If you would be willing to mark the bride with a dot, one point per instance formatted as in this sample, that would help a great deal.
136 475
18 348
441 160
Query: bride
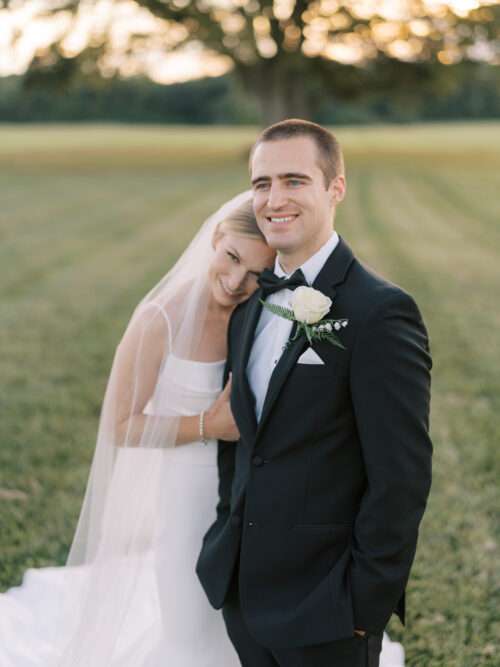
129 595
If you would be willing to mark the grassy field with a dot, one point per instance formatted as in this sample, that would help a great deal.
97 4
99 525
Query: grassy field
91 217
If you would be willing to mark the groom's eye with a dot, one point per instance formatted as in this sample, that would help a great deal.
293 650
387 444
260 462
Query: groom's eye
294 182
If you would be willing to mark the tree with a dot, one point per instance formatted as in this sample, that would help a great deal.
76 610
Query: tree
288 52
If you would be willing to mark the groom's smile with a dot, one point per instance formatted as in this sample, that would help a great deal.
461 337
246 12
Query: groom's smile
282 219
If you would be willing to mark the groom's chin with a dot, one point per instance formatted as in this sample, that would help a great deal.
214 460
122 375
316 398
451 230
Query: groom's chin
278 237
275 240
278 244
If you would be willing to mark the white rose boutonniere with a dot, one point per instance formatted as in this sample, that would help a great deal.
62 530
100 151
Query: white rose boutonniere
308 307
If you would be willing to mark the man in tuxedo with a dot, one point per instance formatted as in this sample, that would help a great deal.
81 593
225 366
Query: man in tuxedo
322 496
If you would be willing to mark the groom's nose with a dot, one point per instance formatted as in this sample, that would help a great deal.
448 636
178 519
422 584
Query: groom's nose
277 196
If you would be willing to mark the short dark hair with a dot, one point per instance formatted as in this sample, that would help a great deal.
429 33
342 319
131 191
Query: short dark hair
330 158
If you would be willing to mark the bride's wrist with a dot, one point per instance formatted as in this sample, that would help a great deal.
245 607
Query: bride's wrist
206 426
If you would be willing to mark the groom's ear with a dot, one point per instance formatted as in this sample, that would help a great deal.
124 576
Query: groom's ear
337 189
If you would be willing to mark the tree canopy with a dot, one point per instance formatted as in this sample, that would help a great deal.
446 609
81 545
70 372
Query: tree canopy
287 53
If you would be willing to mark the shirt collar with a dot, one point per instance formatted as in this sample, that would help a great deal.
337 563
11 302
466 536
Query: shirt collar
312 266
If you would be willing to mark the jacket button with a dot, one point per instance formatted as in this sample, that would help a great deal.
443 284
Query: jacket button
251 524
257 461
236 519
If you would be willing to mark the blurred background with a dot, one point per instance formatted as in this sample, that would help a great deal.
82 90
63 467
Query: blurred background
249 61
123 125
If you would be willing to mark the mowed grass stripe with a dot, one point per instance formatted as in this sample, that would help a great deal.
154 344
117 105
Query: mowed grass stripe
457 201
64 191
459 267
60 241
458 238
127 238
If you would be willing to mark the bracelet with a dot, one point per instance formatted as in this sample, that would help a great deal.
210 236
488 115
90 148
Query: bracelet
203 437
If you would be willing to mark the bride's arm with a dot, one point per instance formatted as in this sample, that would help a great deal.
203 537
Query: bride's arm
138 362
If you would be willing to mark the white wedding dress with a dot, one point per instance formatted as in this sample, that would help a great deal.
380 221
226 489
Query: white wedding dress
36 618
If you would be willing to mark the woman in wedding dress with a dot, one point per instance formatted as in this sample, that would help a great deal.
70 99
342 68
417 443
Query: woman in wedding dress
129 595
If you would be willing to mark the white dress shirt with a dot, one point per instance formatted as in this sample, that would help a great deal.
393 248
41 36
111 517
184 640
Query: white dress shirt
272 332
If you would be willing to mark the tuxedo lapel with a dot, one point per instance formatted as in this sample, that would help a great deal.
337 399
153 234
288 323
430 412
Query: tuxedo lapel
280 374
335 269
244 398
332 274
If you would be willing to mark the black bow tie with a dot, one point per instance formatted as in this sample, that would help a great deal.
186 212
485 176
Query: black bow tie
270 282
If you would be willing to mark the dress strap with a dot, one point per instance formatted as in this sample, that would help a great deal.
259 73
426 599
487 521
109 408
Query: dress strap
161 309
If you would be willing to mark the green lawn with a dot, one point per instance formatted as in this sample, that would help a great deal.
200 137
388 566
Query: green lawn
91 217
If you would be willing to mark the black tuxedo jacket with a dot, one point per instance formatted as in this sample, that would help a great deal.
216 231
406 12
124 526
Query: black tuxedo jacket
321 500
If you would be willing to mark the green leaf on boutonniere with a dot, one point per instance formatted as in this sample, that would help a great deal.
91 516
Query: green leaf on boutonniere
281 311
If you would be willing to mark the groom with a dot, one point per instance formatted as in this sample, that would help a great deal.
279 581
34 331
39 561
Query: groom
321 498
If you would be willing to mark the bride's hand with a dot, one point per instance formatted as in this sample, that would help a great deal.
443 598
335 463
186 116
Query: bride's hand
219 421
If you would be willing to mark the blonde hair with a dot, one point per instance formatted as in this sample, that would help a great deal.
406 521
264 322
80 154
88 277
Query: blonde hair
241 222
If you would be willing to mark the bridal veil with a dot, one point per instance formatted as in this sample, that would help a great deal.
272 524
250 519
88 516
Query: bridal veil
123 509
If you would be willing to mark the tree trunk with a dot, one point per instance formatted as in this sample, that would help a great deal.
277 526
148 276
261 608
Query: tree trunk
279 88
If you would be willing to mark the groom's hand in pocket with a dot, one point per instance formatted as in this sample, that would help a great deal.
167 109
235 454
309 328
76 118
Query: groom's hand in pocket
219 420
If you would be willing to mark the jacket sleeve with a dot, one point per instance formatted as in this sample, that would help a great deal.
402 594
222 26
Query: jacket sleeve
390 388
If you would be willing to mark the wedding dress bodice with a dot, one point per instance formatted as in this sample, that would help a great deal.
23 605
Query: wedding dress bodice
193 386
